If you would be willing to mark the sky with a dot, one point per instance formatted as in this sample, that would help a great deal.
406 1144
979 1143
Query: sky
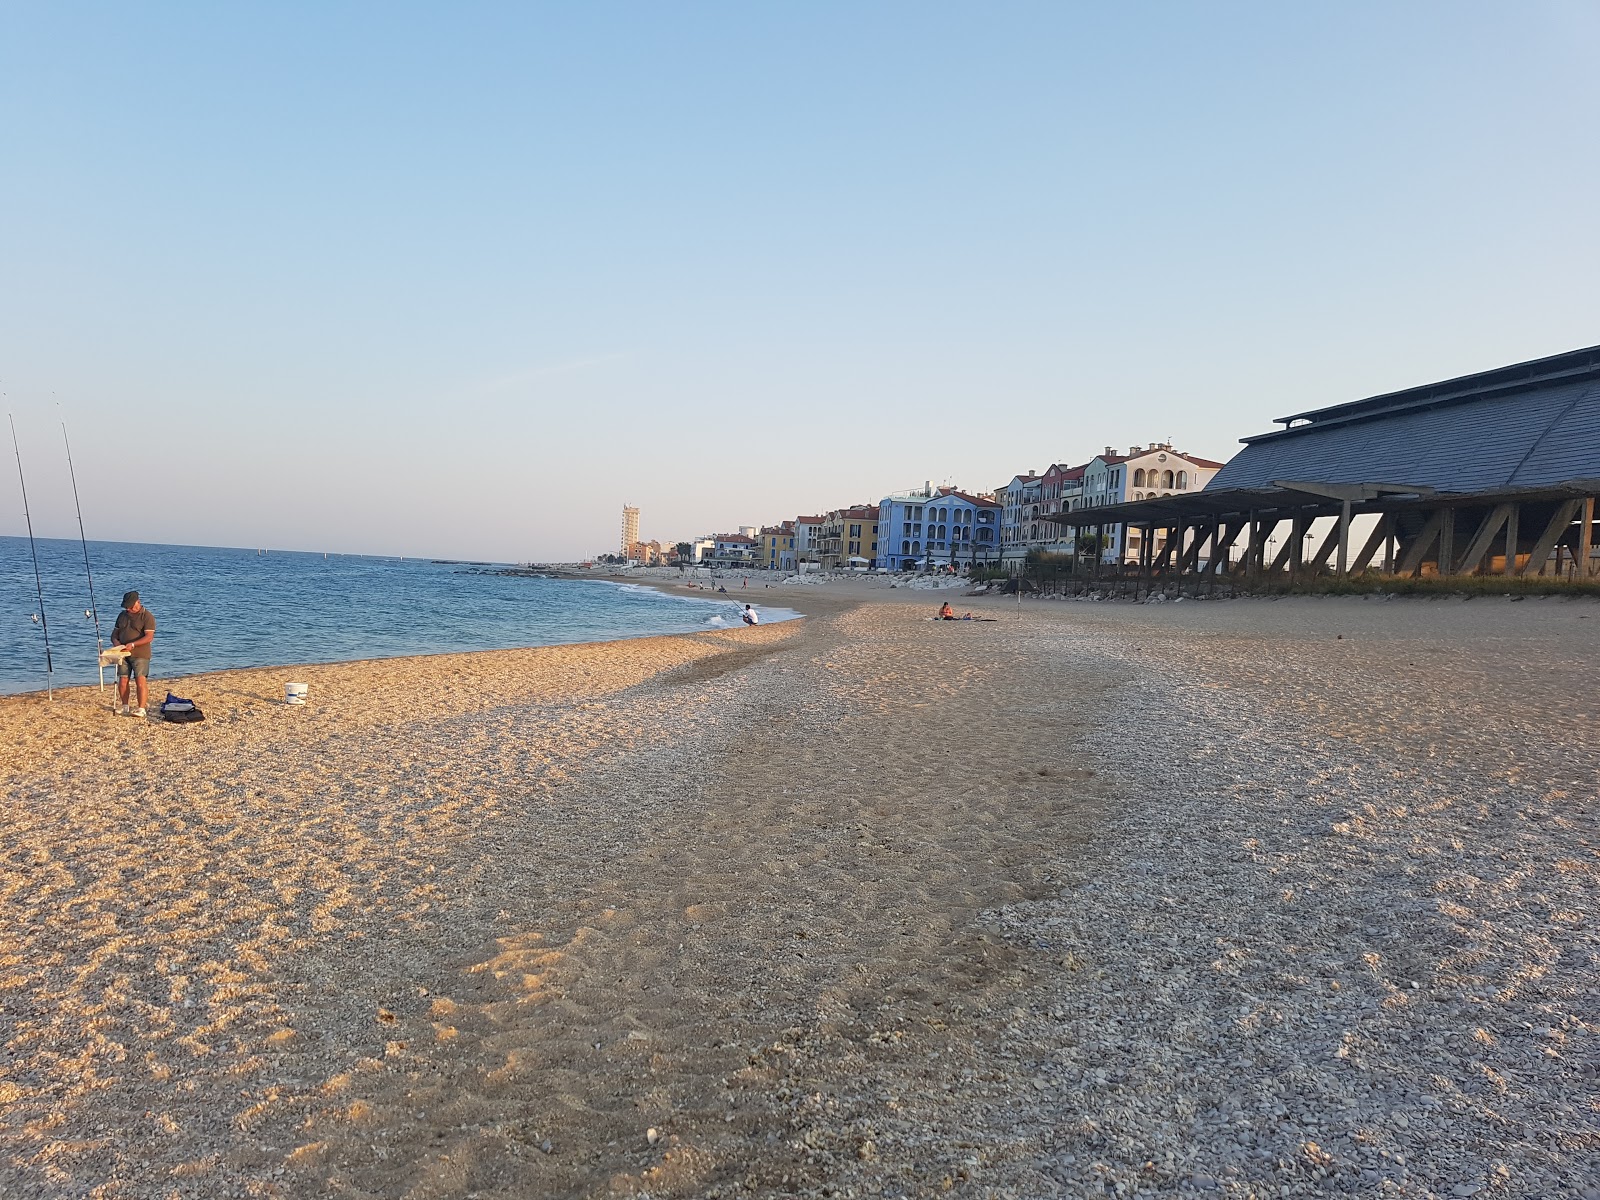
462 280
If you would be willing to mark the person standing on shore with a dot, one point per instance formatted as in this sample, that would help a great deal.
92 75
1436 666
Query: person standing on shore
134 631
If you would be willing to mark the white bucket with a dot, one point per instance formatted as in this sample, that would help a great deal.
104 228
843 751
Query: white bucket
295 693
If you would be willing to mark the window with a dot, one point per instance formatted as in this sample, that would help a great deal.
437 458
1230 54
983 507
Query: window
905 547
1183 480
1166 479
1138 477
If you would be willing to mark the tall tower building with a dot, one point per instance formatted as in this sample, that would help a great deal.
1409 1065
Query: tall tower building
630 529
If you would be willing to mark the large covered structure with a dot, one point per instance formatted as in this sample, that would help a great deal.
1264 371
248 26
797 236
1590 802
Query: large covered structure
1495 472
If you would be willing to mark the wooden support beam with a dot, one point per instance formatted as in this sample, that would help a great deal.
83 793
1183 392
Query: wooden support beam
1411 561
1169 548
1325 548
1479 546
1252 553
1447 542
1145 549
1586 538
1513 542
1297 544
1379 536
1285 551
1344 537
1190 561
1227 536
1559 522
1391 544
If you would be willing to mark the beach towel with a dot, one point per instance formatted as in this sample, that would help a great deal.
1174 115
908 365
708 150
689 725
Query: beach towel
180 711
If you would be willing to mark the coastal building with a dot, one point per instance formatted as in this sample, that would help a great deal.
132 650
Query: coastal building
1019 515
933 527
646 554
1494 473
1143 473
774 547
808 542
1060 486
848 538
630 529
733 550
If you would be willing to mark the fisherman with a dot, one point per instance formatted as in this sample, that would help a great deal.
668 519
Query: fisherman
750 617
134 631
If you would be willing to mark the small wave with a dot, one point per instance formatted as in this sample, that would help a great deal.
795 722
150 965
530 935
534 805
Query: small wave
717 621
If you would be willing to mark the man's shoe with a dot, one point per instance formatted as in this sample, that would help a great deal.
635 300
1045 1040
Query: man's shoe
120 709
138 712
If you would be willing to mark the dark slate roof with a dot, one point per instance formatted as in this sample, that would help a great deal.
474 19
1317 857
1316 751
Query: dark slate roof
1527 426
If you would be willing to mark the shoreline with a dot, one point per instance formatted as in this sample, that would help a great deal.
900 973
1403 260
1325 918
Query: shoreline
38 692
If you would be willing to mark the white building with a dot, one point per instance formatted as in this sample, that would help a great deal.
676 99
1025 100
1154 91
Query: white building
808 540
734 549
1140 474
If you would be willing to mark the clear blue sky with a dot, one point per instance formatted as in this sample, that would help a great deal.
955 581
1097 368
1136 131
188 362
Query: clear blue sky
459 280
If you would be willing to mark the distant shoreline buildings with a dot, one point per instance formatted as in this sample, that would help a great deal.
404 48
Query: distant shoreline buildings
945 527
1337 490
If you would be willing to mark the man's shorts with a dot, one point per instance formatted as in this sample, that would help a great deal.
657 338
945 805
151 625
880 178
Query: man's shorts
139 667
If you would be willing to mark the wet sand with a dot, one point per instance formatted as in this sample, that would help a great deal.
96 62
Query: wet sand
865 904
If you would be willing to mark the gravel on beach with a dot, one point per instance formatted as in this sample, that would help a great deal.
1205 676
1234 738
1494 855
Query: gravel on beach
1248 899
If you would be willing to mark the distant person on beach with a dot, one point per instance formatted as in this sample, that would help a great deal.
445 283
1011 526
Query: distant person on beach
946 613
750 617
134 631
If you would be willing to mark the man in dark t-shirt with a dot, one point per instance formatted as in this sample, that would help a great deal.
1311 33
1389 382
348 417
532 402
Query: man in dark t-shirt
135 630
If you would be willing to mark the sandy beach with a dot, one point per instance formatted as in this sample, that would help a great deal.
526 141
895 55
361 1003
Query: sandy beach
1246 898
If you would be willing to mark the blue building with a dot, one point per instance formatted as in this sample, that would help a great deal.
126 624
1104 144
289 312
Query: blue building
934 527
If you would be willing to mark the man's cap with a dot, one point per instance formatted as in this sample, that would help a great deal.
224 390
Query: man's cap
129 599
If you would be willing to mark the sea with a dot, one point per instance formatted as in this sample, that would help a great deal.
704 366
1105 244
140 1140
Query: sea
219 608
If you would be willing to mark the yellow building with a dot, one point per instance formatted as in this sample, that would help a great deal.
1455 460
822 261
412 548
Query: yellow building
775 547
849 538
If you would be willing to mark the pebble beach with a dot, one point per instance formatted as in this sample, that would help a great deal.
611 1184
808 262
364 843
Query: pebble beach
1238 898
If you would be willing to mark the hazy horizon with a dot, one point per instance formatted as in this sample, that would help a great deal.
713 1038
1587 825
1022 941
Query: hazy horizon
460 284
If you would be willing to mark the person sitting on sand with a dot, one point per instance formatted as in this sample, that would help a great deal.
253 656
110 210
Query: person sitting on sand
750 617
946 613
134 631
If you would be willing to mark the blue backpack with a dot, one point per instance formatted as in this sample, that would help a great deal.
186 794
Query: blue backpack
180 711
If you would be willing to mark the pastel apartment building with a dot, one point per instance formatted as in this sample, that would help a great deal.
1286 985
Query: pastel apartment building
1140 474
849 538
774 547
936 527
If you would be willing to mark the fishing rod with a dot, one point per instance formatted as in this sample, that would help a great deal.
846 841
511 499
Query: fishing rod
38 581
94 608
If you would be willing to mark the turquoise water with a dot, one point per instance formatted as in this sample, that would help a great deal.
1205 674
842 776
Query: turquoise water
218 608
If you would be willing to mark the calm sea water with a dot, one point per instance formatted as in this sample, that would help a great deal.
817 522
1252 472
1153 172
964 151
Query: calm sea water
218 608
